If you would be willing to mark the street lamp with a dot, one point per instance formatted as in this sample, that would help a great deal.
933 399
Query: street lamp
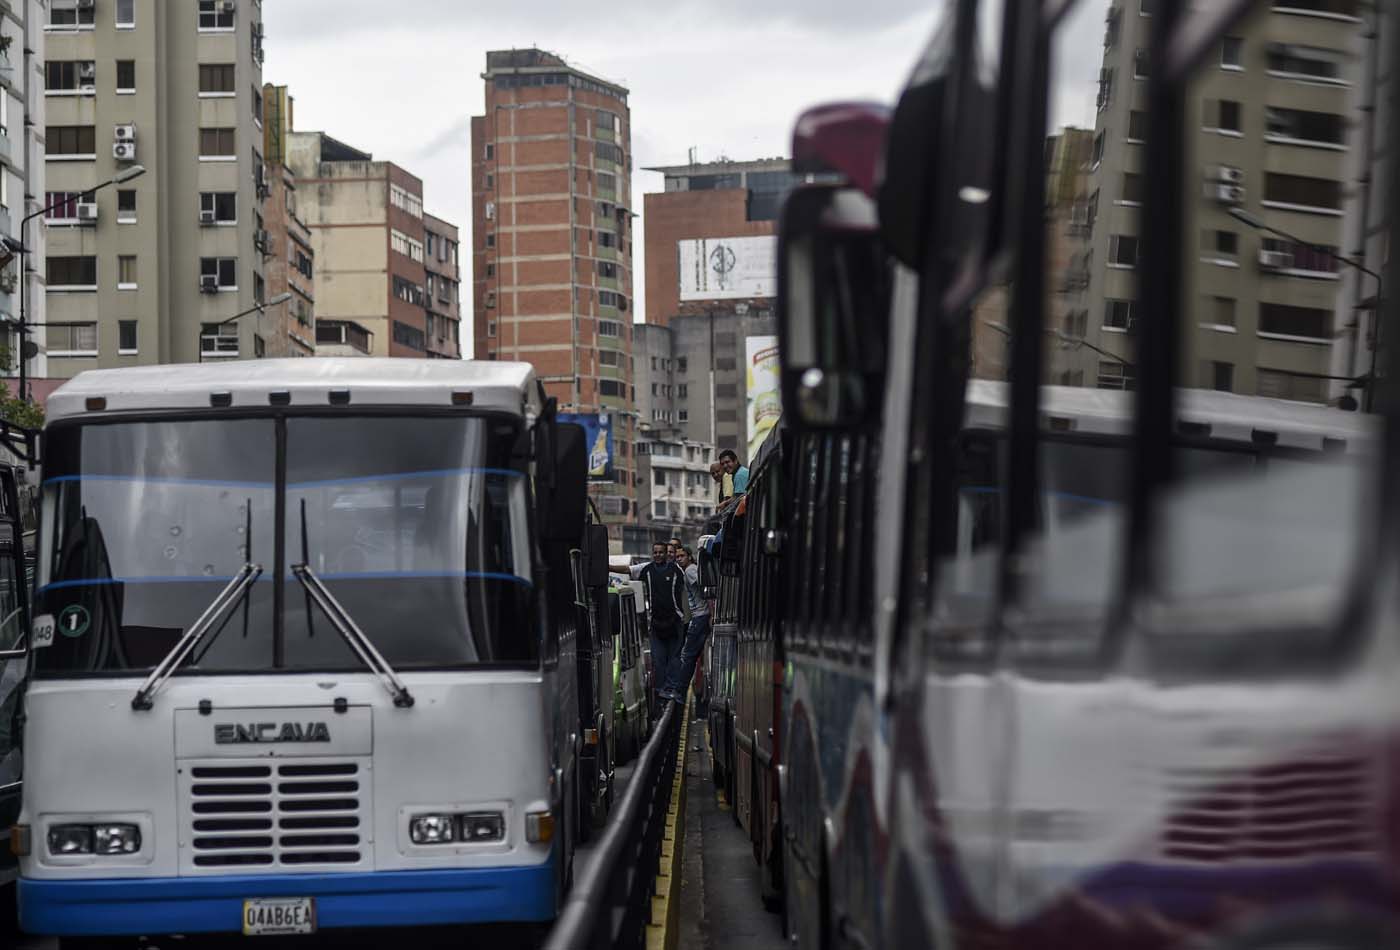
126 174
275 301
1249 220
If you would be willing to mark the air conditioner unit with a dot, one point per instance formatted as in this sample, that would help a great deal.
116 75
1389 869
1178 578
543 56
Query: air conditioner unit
1274 260
86 4
124 151
1225 194
206 216
124 133
87 211
261 240
490 210
208 284
1229 174
227 6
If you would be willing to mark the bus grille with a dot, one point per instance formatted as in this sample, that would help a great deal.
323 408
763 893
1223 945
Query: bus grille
1307 808
274 814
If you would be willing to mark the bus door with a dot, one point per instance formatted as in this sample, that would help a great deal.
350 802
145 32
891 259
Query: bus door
15 643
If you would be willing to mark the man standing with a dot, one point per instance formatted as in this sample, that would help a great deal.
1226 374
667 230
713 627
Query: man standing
668 609
696 631
739 475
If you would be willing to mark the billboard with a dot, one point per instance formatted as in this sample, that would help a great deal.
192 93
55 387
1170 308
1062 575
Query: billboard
597 429
728 268
765 403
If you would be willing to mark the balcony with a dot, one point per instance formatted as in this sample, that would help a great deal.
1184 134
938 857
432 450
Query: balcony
342 338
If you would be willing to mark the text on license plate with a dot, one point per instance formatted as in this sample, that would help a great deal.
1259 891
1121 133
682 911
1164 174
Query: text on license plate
279 915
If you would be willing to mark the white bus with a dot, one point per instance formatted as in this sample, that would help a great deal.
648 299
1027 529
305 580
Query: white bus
303 650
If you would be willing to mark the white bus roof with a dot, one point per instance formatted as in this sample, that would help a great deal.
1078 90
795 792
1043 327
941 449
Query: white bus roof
1230 416
370 381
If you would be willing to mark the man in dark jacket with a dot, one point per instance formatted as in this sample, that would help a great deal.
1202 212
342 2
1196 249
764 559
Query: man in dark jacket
669 611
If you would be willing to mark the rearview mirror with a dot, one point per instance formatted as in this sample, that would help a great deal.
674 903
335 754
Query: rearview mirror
566 502
833 306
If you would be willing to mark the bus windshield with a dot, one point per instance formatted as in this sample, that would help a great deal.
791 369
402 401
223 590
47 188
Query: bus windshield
417 525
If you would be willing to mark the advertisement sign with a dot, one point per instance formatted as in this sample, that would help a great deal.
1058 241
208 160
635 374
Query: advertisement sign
765 403
728 268
597 429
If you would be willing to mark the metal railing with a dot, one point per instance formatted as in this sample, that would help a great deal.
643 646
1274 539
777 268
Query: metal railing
610 904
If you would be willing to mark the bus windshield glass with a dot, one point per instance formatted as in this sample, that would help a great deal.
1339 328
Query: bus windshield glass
417 525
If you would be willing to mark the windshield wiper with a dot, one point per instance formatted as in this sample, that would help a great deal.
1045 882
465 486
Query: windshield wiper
353 635
230 595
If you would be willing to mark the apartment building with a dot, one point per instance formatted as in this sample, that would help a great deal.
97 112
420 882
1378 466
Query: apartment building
442 294
552 247
286 241
675 493
1276 123
22 169
367 229
150 270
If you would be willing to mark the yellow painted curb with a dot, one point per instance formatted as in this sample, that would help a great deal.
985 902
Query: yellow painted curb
663 930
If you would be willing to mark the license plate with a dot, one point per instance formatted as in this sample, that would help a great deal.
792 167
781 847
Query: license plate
279 915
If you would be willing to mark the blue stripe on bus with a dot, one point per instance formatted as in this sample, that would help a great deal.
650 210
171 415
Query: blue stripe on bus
386 477
78 908
224 579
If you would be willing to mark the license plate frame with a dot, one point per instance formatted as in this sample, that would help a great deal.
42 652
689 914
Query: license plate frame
278 916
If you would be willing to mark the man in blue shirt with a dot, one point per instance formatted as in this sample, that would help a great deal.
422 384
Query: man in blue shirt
738 472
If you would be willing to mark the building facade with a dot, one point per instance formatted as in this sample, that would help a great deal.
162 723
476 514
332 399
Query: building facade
552 243
22 168
366 221
1277 117
289 259
442 294
148 270
675 493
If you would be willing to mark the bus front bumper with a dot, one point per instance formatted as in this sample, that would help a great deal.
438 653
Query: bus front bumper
110 907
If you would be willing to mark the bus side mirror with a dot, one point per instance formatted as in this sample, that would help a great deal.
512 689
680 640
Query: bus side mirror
834 281
565 507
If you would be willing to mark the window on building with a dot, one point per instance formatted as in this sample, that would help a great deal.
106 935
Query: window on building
62 206
126 206
409 336
1224 242
490 151
72 339
1222 115
126 337
126 76
1310 323
1137 126
609 328
1298 125
1118 314
214 16
257 101
259 289
1220 312
490 270
1308 63
1140 64
216 79
71 273
69 75
1122 250
218 272
1115 375
411 248
126 14
607 269
1281 384
490 328
126 272
1132 188
78 141
609 387
609 358
1232 52
66 14
491 239
607 239
683 391
1304 259
1220 376
1098 149
218 143
222 205
218 339
658 476
1301 192
408 291
405 200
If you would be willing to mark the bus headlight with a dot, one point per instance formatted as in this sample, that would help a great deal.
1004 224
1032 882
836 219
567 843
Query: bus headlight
70 839
116 839
432 829
483 826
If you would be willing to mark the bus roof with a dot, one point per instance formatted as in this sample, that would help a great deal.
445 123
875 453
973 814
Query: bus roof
370 381
1230 415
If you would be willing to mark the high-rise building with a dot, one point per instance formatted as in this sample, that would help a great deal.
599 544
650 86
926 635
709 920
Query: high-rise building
442 295
1276 127
710 235
285 242
366 221
552 248
149 270
22 110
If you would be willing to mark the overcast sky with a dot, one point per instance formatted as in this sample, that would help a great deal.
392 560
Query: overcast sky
727 77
